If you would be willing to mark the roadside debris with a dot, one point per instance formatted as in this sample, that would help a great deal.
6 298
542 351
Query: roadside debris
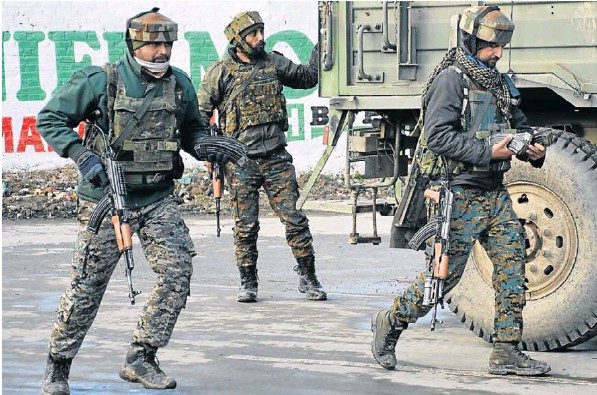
52 193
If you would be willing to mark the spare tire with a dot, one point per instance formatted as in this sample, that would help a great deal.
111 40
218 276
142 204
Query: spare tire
557 205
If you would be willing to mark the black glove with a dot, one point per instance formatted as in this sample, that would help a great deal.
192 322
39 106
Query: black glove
90 166
219 158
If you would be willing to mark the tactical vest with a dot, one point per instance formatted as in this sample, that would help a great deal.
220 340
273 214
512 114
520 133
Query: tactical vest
149 150
474 107
259 103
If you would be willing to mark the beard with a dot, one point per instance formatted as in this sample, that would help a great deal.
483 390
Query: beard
257 52
491 62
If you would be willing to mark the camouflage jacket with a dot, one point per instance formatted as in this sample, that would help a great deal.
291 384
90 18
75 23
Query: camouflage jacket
86 91
221 79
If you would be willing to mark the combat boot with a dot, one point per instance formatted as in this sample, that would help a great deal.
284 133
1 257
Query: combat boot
507 358
56 376
142 366
308 282
247 293
386 330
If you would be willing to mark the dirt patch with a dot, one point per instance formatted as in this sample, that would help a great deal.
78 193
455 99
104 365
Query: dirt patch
48 194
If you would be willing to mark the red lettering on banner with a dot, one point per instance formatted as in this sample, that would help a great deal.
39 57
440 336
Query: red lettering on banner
9 145
30 136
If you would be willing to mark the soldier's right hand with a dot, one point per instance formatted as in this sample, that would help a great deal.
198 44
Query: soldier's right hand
499 151
91 167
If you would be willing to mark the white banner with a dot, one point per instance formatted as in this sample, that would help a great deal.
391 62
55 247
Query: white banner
43 43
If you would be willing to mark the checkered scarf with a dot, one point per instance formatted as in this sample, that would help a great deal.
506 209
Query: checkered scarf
489 79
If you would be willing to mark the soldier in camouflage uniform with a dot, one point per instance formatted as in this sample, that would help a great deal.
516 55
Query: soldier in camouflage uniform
246 89
149 153
466 97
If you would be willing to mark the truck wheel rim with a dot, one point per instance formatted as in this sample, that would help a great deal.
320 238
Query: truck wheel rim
551 243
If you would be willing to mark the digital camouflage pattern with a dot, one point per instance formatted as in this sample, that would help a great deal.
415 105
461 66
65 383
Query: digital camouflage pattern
276 174
259 103
258 118
241 25
168 249
486 216
494 27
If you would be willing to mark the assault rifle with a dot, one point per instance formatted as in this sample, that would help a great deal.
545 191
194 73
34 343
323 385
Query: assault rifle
438 253
114 201
522 139
217 178
208 149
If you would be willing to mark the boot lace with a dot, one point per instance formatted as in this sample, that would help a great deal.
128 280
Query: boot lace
154 363
524 357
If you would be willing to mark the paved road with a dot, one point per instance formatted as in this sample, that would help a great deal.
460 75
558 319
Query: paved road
282 345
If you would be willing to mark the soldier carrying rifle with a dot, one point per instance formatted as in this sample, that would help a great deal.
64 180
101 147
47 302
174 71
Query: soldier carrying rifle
245 86
148 112
466 105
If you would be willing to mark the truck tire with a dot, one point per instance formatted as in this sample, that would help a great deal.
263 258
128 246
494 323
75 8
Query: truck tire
558 208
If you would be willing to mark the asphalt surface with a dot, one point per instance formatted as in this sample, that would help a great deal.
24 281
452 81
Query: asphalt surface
283 344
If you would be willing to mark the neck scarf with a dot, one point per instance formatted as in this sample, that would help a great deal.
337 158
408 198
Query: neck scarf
489 79
156 69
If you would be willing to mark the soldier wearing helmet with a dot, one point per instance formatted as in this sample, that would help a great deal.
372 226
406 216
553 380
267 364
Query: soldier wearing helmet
245 87
148 112
482 27
466 100
242 25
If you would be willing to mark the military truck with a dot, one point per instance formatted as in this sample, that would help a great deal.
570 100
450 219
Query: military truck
375 58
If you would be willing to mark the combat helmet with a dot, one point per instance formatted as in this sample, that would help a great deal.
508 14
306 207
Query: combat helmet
483 25
150 26
242 24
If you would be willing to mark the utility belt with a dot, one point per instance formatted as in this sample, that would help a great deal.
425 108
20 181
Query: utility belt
501 166
157 145
140 182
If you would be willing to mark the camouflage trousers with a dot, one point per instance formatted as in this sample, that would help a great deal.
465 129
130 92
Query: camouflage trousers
487 217
276 174
168 249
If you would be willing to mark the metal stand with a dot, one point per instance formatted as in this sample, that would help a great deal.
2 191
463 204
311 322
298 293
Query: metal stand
354 237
